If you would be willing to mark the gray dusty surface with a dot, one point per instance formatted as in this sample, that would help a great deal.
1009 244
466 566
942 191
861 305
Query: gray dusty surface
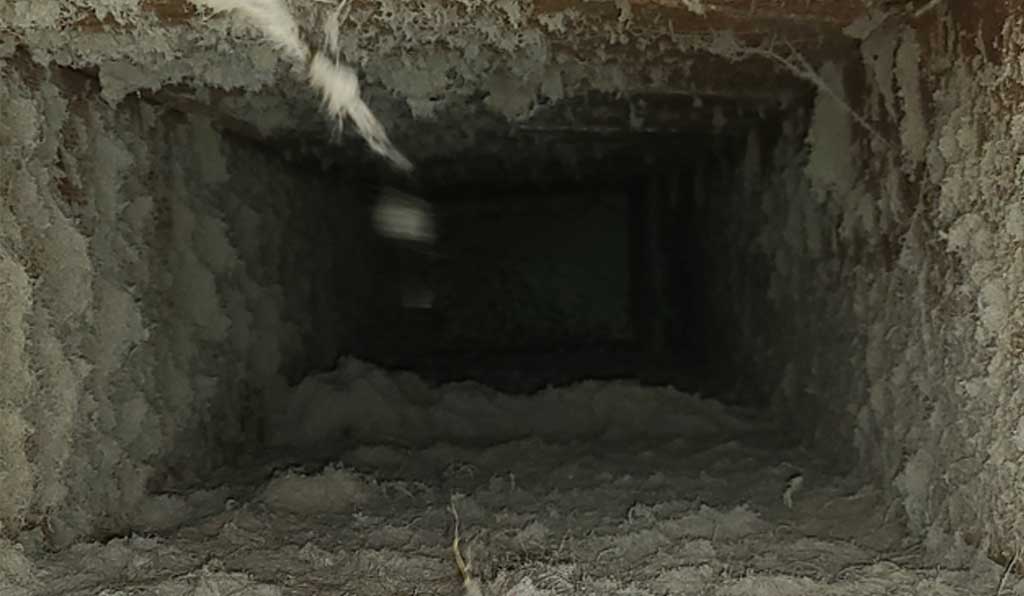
156 272
693 514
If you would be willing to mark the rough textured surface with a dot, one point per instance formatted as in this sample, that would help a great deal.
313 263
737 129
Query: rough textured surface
357 402
638 514
892 309
447 76
157 282
867 249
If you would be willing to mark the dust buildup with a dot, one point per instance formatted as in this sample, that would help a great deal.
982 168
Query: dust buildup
333 490
156 300
665 515
363 403
897 293
143 279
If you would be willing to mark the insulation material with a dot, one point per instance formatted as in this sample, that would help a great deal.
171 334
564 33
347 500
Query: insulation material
143 280
706 510
362 403
422 70
907 352
160 286
337 83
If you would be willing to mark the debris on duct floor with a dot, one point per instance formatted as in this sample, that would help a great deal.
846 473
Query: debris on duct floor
640 514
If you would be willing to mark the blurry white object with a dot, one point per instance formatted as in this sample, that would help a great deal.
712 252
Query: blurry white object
401 216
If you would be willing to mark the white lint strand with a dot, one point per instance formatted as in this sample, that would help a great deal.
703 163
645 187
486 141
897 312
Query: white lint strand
337 83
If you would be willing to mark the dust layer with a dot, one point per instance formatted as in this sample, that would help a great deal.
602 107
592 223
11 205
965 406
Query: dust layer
662 516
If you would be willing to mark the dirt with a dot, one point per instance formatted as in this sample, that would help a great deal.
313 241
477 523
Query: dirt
704 514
